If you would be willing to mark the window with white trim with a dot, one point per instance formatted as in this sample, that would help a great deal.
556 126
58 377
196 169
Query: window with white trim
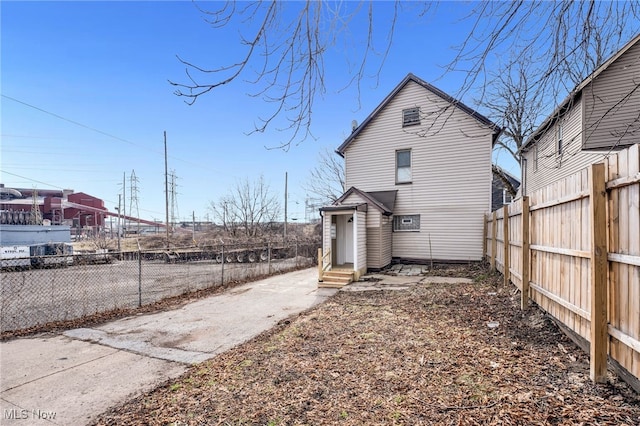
403 166
407 222
410 117
559 143
507 198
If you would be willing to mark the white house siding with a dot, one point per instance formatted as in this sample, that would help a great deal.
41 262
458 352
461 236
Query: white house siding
550 165
451 174
360 261
378 238
374 248
610 113
326 235
386 242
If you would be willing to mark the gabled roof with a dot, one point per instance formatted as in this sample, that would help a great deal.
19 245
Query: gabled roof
565 105
410 77
384 201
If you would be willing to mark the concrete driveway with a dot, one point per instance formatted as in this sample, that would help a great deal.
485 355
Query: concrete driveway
69 379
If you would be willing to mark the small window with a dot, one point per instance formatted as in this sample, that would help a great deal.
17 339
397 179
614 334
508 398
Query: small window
507 198
410 117
406 223
559 139
535 159
403 166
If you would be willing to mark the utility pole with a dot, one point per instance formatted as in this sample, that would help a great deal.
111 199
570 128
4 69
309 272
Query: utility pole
124 200
166 188
119 251
193 220
286 178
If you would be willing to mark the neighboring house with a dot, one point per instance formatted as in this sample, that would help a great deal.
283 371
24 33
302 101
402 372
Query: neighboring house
600 115
418 170
500 195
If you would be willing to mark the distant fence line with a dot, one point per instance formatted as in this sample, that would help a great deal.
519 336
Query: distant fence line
39 290
573 247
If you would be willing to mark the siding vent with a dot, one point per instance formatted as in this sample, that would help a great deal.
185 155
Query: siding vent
410 117
406 223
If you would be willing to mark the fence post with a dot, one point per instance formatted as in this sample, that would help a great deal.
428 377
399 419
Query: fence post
296 253
598 218
222 271
269 255
494 234
526 259
505 237
320 264
139 279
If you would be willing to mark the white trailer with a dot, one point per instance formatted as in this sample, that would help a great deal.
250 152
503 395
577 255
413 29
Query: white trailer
15 256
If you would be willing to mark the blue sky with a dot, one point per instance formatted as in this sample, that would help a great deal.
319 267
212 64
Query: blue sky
86 99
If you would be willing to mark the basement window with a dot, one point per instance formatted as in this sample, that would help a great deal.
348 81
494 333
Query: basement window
406 223
410 117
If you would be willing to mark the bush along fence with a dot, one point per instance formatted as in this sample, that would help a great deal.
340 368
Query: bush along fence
35 293
573 248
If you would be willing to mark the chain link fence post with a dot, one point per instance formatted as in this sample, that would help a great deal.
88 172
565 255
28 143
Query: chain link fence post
139 279
222 273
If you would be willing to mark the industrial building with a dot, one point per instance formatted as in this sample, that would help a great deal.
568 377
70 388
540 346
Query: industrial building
21 206
84 214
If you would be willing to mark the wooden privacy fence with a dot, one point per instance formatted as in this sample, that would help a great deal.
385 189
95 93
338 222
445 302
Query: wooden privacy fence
573 248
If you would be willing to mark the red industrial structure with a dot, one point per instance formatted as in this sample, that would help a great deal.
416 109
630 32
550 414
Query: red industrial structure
21 206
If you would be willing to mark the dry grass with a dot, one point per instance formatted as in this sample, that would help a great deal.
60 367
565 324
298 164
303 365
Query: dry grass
420 356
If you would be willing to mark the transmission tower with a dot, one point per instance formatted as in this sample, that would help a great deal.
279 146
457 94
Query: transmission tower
36 216
133 201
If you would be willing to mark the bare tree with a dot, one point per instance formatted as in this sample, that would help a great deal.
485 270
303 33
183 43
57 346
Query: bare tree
285 44
248 209
327 179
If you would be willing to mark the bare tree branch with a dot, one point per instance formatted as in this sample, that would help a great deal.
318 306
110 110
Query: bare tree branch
327 179
247 209
285 44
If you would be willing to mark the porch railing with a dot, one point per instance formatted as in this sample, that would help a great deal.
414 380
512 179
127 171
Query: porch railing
322 267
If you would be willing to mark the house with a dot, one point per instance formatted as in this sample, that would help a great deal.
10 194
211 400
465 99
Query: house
500 194
418 169
600 115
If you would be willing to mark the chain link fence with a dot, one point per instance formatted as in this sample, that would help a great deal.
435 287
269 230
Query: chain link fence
38 290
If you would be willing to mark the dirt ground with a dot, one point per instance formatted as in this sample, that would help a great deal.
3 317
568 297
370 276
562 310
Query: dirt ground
426 356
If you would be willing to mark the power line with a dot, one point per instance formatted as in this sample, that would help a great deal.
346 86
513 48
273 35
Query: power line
93 129
69 120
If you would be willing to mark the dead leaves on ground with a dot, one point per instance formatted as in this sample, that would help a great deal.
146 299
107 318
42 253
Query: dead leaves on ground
421 356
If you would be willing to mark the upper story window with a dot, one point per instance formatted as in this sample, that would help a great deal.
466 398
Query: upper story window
506 196
410 117
559 142
403 166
